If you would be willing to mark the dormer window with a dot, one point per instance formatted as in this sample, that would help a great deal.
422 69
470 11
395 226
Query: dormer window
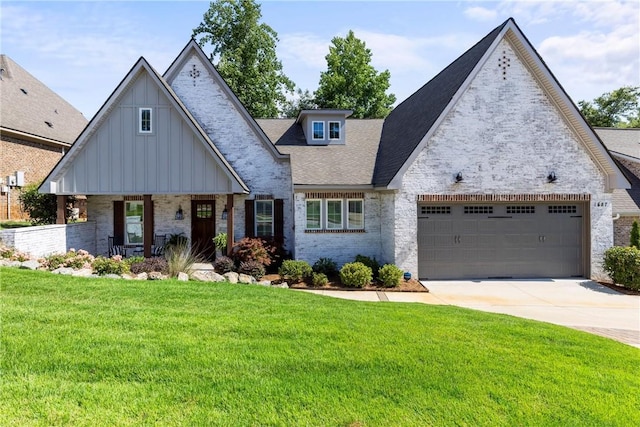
334 130
318 130
145 120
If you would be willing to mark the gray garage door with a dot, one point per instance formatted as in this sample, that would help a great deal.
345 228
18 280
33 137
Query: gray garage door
500 240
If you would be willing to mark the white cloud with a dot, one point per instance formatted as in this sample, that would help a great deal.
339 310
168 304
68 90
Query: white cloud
482 14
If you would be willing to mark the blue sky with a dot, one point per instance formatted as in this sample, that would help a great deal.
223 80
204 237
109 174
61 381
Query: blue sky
82 50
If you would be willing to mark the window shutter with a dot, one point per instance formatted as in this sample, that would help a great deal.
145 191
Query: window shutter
278 219
118 222
249 219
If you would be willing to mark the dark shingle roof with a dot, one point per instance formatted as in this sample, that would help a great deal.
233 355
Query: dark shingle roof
29 106
410 121
328 165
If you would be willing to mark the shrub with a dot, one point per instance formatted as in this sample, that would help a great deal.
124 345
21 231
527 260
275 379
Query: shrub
295 270
635 235
176 240
252 249
220 242
42 208
72 259
390 275
223 264
372 263
355 274
113 265
180 258
319 279
148 265
55 261
252 268
326 266
623 266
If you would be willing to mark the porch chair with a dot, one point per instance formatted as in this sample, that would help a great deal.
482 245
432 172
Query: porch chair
159 242
116 248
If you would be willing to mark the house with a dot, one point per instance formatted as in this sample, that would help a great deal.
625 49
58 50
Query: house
624 146
37 127
488 170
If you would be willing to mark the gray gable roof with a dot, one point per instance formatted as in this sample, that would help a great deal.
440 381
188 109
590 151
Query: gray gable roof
26 105
622 141
410 121
345 165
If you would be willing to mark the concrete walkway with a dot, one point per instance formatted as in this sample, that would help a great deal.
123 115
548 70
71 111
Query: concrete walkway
575 303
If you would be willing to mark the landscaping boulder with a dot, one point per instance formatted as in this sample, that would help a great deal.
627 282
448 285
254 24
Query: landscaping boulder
183 277
9 263
231 277
246 279
207 276
264 283
156 275
142 276
30 265
84 272
66 271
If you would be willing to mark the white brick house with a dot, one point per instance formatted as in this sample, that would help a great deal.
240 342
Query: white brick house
488 170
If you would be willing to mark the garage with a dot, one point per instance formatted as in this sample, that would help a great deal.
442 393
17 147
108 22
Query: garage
465 241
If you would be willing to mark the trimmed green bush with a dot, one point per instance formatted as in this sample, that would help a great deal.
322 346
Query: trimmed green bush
148 265
113 265
372 263
390 275
623 266
252 268
326 266
295 270
355 274
319 279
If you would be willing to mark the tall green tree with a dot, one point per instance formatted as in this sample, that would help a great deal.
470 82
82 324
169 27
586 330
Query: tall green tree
352 83
245 51
302 101
620 108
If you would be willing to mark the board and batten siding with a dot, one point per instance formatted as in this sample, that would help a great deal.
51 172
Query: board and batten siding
172 159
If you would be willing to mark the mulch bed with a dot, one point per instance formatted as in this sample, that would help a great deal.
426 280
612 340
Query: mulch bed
334 284
620 289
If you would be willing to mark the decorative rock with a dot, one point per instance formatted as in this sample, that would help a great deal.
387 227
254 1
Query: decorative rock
66 271
283 285
127 276
142 276
231 277
264 283
30 265
183 277
245 278
7 263
155 275
84 272
207 276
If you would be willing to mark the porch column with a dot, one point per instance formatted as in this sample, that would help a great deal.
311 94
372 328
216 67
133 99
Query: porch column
230 214
61 210
148 225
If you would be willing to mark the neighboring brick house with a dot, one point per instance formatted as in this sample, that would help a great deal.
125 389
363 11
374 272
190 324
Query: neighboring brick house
36 128
624 146
488 170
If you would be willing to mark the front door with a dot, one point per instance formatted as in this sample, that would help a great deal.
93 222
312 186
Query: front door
203 227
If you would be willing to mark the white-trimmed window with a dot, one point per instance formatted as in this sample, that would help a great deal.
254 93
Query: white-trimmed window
264 218
318 130
133 222
334 130
334 214
314 214
355 214
145 120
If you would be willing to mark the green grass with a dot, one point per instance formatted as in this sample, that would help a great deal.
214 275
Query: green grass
14 224
96 352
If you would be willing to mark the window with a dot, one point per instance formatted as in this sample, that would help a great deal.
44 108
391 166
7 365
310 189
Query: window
145 120
204 210
334 130
318 130
314 215
133 216
334 214
264 218
355 215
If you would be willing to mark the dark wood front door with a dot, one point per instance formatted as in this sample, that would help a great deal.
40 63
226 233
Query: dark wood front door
203 227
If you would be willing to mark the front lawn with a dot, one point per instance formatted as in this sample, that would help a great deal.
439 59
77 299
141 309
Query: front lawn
93 352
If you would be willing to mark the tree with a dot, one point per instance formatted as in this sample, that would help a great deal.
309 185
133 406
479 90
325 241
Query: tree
42 208
352 83
302 101
620 108
246 53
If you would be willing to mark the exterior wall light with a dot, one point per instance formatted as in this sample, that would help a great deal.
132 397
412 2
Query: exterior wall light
552 177
179 213
459 177
225 212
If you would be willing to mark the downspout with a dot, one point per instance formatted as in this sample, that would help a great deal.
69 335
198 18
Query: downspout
617 217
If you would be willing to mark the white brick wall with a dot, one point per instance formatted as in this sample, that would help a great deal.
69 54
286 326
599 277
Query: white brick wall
341 247
45 240
237 142
505 137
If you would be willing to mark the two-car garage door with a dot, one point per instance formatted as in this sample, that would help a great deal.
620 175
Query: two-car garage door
500 240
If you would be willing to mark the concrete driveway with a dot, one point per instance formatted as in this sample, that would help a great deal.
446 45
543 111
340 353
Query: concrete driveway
575 303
